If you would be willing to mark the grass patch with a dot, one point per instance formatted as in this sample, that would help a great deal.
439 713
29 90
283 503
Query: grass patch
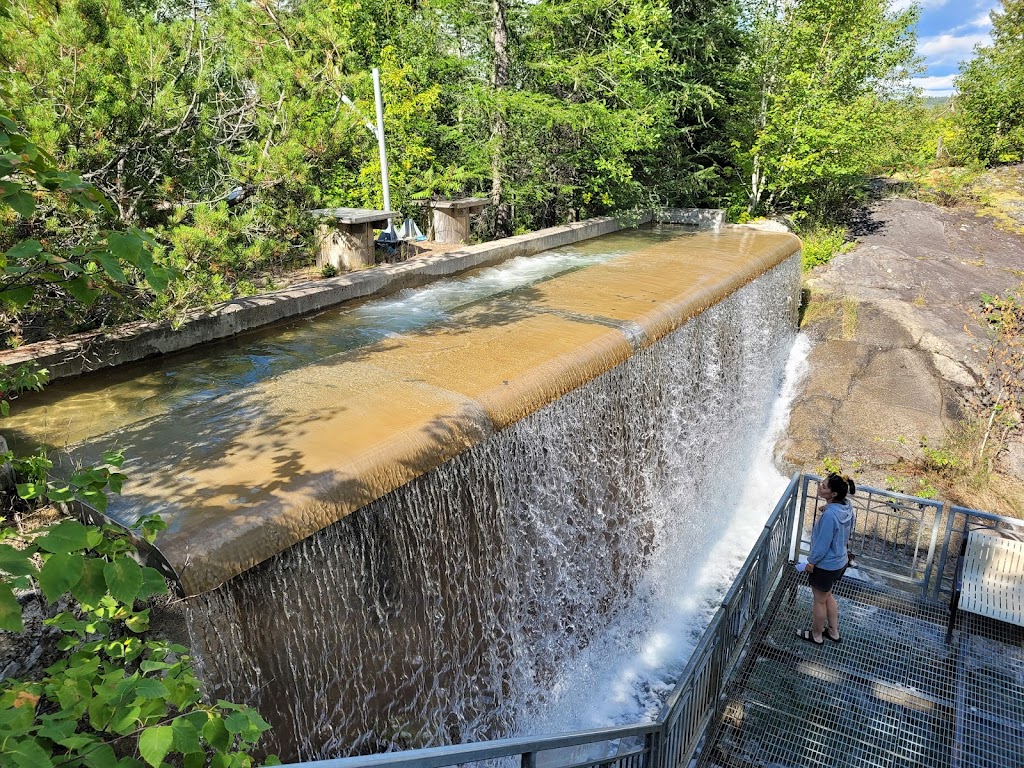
837 317
948 187
822 243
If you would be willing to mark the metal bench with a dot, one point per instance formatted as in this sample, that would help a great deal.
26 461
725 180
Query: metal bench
989 580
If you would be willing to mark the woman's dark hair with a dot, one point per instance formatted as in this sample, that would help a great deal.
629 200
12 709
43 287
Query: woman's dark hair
840 486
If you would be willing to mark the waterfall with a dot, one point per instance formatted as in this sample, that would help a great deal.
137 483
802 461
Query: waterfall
450 609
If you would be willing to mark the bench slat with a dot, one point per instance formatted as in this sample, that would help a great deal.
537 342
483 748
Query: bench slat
993 578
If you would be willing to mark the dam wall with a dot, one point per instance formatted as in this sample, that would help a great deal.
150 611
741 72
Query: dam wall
257 470
493 594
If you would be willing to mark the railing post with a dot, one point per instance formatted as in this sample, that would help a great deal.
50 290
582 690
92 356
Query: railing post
655 754
528 760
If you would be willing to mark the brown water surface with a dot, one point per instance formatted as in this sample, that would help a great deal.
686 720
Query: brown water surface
249 447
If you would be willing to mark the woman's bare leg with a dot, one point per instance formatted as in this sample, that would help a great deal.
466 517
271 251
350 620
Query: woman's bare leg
819 612
832 612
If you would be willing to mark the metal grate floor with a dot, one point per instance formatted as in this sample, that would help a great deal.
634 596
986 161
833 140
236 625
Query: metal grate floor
892 694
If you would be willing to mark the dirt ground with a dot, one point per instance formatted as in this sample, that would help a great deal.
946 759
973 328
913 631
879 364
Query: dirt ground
897 354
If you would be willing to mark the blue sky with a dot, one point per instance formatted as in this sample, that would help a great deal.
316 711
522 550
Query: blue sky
946 35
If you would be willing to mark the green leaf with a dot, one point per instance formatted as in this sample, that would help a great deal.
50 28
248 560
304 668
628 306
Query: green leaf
81 289
113 458
153 583
26 754
150 688
101 757
22 202
24 251
125 720
16 562
70 536
58 730
18 297
31 490
92 586
237 722
155 743
216 734
93 497
111 266
186 737
60 573
124 578
10 611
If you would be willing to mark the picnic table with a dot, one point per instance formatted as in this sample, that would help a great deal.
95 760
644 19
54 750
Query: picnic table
345 236
990 579
451 217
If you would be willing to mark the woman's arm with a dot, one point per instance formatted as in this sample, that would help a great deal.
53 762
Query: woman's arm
822 538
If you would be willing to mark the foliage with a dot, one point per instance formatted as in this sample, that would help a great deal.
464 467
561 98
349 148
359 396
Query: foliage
990 101
115 697
214 126
941 459
821 243
827 87
1004 385
45 271
948 186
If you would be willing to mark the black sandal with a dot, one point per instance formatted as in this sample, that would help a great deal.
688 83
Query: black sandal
806 634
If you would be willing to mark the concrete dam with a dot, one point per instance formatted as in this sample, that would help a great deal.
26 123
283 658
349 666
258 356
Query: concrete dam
429 518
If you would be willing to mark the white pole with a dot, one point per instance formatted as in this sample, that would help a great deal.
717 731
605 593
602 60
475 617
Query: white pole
380 141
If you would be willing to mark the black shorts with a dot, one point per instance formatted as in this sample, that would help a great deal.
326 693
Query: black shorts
823 580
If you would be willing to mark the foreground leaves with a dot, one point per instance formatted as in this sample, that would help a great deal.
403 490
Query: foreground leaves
115 699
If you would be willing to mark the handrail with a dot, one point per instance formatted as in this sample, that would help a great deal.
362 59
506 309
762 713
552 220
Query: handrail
437 757
671 740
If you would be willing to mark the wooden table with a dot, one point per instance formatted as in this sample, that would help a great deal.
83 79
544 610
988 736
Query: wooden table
451 217
346 242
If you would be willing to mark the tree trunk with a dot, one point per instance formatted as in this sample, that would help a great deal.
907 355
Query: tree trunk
499 128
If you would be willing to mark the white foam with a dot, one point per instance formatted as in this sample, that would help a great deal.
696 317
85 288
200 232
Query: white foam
625 676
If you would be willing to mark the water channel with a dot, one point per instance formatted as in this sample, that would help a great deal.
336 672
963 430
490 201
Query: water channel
541 552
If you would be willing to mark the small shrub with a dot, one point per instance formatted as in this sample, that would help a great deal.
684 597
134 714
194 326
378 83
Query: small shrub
943 460
821 244
328 270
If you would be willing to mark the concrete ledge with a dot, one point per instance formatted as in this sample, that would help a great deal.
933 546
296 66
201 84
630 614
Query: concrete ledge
129 343
702 218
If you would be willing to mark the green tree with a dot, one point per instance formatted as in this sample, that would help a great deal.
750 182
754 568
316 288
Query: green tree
826 85
990 93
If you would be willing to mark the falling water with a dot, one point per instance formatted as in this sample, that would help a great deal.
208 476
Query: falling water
494 594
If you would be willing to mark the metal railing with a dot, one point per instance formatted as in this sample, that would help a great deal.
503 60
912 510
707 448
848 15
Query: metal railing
895 538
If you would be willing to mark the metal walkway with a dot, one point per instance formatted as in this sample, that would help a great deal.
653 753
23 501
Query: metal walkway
892 694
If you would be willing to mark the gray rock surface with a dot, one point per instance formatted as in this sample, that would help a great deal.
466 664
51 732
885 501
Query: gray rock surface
896 352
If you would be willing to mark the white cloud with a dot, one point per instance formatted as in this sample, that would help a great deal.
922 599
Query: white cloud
949 49
981 21
934 83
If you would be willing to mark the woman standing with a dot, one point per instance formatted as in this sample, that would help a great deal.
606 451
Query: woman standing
829 557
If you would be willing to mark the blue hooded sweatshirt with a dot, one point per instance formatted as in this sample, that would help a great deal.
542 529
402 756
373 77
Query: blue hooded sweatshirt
830 536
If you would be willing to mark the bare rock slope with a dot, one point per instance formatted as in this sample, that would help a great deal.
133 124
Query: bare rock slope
897 352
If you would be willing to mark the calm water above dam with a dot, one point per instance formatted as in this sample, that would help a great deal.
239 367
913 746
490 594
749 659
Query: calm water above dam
75 410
